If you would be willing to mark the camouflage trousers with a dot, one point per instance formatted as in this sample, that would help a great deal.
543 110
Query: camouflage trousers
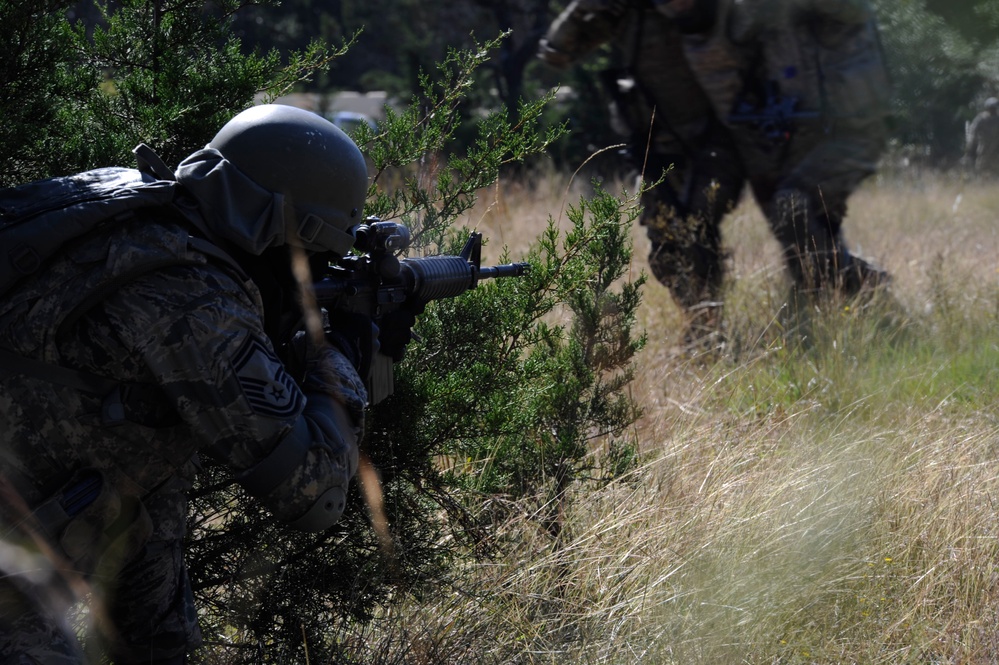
806 206
143 614
682 217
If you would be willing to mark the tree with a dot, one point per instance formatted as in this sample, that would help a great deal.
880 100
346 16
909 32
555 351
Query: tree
79 95
34 85
937 74
526 21
977 21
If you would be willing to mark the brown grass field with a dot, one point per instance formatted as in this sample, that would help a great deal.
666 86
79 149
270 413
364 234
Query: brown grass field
836 504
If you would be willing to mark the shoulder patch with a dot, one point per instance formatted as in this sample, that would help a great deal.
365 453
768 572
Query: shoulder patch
268 387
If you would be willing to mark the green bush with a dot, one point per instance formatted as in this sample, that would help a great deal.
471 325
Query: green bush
494 410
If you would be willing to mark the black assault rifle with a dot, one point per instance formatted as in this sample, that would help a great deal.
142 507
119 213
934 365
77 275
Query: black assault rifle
373 282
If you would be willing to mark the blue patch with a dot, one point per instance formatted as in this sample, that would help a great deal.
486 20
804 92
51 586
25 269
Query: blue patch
268 387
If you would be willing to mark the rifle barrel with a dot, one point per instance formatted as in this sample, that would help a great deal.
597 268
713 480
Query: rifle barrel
505 270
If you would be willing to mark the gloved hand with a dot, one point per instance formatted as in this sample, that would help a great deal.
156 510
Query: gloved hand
396 330
356 336
330 372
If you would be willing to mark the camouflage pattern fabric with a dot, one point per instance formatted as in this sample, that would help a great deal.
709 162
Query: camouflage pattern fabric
672 134
655 79
686 242
192 328
819 63
35 630
151 606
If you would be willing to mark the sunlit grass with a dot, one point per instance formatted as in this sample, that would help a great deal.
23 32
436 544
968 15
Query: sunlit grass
832 502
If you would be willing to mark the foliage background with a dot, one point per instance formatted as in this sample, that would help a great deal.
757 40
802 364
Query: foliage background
485 494
944 58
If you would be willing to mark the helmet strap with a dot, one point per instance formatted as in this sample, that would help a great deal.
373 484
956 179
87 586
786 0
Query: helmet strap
313 231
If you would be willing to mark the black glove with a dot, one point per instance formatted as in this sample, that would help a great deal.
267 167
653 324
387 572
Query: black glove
355 336
396 330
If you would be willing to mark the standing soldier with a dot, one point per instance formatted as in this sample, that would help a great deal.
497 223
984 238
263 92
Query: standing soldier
982 149
669 123
802 86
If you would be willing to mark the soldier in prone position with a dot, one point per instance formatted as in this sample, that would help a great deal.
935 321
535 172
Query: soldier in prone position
186 329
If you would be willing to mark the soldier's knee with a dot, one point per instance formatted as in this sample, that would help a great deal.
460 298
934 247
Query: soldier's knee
691 275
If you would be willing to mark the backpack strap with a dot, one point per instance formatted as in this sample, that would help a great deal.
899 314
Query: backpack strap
149 162
14 363
115 408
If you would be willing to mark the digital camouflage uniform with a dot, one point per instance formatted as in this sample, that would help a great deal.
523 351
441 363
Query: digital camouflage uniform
982 148
668 121
181 329
803 88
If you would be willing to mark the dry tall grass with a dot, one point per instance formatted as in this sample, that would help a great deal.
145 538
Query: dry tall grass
836 504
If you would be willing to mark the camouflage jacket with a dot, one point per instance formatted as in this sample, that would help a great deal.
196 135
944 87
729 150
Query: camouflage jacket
185 339
654 82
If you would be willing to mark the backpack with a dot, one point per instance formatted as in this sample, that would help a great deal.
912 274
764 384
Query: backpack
38 218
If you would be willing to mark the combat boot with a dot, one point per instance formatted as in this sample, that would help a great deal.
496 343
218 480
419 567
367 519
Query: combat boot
860 277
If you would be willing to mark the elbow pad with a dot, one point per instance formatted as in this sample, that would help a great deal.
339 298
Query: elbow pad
326 427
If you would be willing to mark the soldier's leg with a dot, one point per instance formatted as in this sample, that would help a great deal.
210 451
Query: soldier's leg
809 206
716 177
151 606
685 232
809 230
811 248
682 217
685 251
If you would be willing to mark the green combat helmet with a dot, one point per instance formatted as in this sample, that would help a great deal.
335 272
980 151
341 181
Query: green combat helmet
312 176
